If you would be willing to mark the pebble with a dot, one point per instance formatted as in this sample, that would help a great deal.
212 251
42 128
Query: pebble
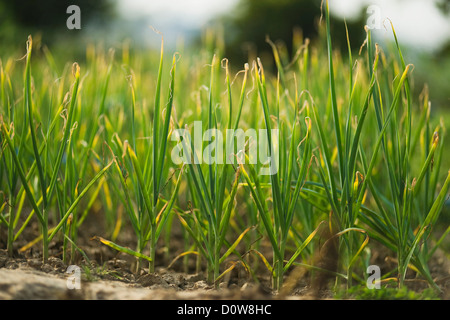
3 261
223 285
47 268
247 286
150 280
57 263
202 284
10 264
35 263
194 277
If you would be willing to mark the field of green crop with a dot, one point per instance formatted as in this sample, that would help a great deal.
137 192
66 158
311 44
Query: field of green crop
360 158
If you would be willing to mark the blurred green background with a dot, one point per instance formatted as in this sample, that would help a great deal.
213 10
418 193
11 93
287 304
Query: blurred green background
245 25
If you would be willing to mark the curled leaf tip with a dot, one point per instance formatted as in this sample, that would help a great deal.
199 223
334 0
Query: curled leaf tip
76 70
224 63
29 43
435 139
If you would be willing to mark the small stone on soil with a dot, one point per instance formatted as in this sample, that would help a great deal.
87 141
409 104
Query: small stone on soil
3 261
10 264
194 277
151 279
47 268
202 284
35 263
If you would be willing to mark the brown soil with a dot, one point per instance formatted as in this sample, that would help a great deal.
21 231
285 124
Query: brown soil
113 275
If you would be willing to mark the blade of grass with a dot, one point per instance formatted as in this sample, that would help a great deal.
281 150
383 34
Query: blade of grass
122 249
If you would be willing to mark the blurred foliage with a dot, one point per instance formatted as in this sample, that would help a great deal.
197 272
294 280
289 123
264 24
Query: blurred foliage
48 19
245 30
444 6
247 26
52 13
430 70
